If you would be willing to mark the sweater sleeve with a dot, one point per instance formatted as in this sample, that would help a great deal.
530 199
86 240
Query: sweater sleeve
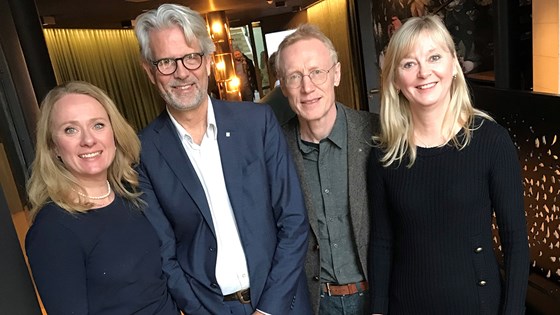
381 243
57 262
507 200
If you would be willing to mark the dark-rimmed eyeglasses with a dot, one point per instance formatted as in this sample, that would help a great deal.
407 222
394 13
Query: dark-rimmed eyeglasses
167 66
317 76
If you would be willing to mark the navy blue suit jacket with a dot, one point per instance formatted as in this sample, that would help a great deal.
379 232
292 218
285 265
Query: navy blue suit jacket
267 202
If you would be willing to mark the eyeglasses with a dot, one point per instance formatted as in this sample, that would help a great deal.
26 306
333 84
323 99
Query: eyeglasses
317 76
167 66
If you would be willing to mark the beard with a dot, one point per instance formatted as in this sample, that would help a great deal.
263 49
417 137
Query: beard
184 102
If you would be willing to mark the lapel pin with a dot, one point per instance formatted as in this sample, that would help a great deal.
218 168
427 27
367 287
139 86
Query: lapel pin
227 134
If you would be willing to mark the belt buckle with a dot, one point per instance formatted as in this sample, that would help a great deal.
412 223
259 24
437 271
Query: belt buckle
239 295
328 285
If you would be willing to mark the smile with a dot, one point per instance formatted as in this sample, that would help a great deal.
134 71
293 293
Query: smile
184 87
310 101
426 86
89 155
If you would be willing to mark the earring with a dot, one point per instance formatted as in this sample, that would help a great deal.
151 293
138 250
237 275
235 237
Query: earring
454 76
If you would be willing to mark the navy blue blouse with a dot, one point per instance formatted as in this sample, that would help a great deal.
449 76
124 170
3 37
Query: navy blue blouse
105 261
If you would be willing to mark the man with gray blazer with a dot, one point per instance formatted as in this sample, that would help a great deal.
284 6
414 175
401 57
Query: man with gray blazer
330 144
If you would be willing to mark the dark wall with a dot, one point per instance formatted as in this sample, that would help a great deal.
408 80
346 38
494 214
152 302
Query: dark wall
533 122
283 22
17 294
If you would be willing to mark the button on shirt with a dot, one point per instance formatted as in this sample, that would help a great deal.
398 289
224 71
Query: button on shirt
326 173
231 266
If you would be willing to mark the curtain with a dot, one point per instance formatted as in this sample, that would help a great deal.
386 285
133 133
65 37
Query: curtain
109 59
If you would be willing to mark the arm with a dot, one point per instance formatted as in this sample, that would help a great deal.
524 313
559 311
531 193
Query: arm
381 243
291 222
58 264
507 201
177 282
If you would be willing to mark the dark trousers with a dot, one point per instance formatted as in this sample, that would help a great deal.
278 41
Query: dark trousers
354 304
237 308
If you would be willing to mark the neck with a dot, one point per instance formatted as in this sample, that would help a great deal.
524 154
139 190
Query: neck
194 121
107 192
317 130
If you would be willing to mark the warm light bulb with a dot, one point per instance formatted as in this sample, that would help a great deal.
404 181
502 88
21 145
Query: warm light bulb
220 65
217 27
234 83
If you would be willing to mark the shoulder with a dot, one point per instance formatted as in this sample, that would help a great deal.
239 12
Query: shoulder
489 136
237 106
488 129
52 213
360 117
154 126
51 222
245 115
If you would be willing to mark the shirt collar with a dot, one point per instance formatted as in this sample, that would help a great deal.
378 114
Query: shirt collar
211 127
337 135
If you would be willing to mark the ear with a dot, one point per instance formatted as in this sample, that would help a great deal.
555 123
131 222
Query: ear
337 74
149 68
283 88
208 64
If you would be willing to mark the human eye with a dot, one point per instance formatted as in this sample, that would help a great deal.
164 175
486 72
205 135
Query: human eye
192 56
192 59
98 126
294 77
70 130
407 64
317 73
435 58
166 63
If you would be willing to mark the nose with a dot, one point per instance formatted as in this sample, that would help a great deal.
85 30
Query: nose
88 139
306 84
182 71
424 71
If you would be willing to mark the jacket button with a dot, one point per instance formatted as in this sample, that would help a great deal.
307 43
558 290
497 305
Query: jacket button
481 283
478 250
316 278
214 285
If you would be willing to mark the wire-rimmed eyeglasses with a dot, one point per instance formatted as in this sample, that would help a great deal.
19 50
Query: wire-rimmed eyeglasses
167 66
317 76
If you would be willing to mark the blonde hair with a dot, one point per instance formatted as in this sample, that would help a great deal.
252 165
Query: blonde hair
395 116
50 181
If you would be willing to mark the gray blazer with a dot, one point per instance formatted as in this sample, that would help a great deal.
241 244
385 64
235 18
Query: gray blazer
361 126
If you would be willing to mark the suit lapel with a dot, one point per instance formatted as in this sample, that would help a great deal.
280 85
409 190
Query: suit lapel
292 140
359 147
176 157
230 153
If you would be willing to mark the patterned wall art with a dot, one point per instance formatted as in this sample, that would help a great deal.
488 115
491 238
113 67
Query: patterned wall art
468 21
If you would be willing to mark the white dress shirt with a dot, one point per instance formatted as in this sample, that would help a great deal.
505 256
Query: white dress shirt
231 266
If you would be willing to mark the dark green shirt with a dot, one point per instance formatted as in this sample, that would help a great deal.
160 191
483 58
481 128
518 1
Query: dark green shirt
326 172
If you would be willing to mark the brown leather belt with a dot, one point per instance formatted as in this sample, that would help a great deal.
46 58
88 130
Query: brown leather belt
243 296
344 289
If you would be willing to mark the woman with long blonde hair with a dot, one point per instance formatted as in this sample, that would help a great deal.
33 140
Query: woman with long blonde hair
90 248
440 170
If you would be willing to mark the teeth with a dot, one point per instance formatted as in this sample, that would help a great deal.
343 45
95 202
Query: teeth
89 155
426 86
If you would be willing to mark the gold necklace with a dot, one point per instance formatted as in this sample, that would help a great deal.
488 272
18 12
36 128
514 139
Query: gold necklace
109 190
